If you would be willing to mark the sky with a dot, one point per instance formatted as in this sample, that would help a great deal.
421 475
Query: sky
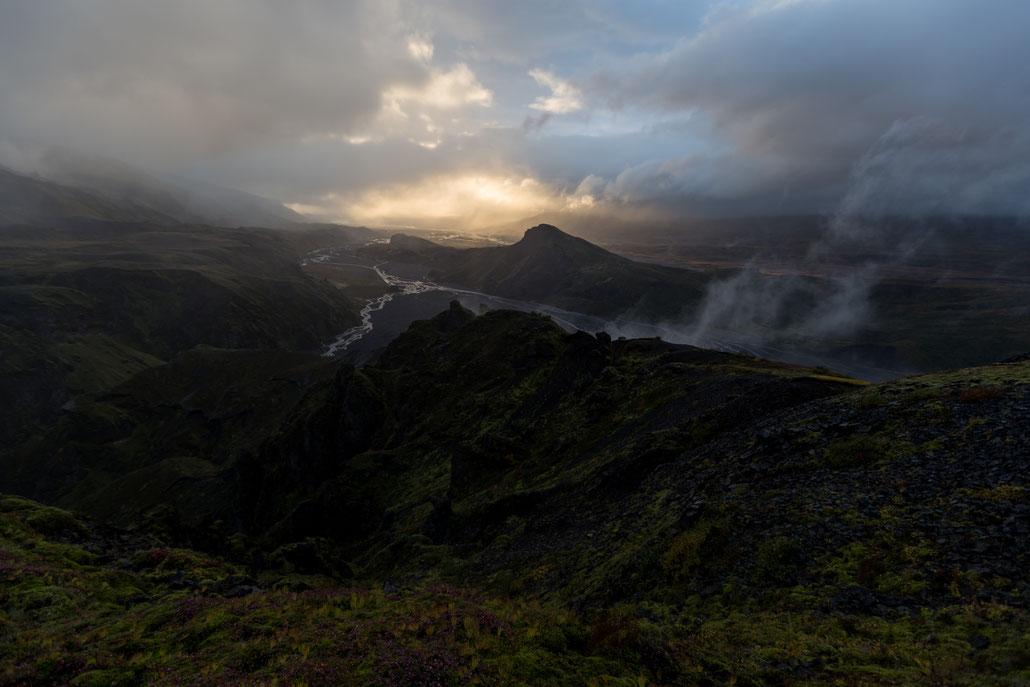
472 113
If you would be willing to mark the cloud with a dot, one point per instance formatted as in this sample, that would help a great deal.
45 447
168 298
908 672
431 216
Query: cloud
420 48
170 81
180 81
533 125
249 94
793 94
444 90
531 32
736 107
564 96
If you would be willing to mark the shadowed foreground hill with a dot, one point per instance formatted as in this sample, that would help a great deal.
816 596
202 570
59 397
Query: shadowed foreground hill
496 501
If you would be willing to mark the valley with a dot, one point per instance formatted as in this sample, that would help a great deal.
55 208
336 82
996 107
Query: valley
421 298
319 455
875 323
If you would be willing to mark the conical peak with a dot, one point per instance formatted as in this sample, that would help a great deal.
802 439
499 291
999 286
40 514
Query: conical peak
544 232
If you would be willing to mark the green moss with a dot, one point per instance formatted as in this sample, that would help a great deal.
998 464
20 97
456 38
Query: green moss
859 449
1003 492
12 504
54 521
839 379
692 546
73 629
869 400
43 603
776 560
919 395
125 675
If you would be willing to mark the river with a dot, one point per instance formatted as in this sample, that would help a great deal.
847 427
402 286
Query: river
413 296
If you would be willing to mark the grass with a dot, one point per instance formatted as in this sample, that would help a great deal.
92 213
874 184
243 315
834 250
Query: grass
67 618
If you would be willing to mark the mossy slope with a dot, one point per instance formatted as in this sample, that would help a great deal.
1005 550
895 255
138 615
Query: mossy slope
681 516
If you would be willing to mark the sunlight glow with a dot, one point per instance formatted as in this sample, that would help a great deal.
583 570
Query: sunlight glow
462 200
481 196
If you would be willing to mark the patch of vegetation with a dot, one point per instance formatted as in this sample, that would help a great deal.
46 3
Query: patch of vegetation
96 362
980 394
776 560
919 395
859 449
868 400
692 547
1002 492
160 617
838 378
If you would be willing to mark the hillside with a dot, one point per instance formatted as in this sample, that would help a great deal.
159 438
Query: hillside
67 185
25 199
90 304
654 513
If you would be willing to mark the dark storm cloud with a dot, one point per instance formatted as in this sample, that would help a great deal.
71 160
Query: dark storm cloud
797 92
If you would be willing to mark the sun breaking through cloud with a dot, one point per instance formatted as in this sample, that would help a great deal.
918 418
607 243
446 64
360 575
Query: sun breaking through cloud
463 200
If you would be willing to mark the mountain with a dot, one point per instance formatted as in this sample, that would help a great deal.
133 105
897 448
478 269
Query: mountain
221 206
550 266
497 500
29 200
64 184
414 249
544 258
857 310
